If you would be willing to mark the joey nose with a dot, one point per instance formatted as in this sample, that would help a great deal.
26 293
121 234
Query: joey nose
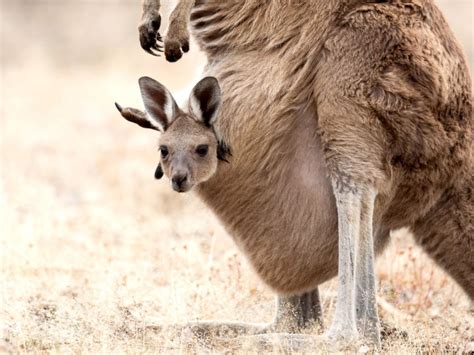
178 182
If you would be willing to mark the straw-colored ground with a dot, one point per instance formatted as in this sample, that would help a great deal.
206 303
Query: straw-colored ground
94 251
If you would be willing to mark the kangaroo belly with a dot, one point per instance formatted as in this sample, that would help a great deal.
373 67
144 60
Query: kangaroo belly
274 198
293 244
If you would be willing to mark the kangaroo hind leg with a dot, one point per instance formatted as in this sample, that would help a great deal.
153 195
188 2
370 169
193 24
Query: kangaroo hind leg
293 314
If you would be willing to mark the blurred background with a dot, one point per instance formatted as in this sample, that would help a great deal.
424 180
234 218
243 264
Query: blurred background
93 249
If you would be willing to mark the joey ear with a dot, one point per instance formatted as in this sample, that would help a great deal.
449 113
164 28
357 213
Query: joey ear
205 100
136 116
159 103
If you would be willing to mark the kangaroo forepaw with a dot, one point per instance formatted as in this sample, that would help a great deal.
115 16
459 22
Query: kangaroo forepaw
150 37
174 48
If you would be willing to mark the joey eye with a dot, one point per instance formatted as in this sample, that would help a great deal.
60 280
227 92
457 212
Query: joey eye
202 150
164 151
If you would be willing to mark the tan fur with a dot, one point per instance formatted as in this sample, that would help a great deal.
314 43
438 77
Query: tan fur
182 138
366 92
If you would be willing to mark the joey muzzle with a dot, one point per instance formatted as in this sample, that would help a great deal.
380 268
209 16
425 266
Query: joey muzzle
179 183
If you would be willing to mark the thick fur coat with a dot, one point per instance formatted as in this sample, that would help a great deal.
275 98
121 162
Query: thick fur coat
362 92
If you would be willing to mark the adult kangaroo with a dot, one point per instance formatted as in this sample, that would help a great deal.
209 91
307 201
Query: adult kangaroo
347 119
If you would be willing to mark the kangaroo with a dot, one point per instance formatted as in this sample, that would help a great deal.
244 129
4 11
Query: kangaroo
347 119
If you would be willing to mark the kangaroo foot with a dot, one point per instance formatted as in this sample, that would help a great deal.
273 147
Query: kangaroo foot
209 330
258 337
294 313
287 343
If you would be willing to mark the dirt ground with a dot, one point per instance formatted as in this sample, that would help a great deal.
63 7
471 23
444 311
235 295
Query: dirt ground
95 253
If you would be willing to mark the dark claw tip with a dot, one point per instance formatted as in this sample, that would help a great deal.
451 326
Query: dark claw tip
158 48
151 52
119 108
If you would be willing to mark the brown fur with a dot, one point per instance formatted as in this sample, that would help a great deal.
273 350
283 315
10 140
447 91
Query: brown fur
183 146
364 92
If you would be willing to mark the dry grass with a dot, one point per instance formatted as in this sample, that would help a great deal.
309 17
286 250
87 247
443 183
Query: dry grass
93 250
